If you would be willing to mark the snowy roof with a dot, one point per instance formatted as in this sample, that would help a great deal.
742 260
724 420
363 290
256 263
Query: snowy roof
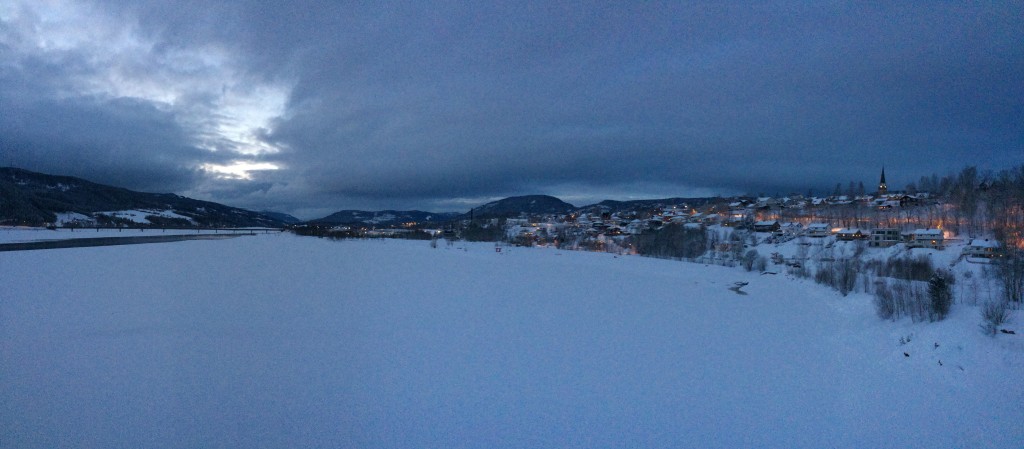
984 243
850 231
817 226
927 232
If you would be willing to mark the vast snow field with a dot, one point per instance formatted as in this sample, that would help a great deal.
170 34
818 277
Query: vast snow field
284 341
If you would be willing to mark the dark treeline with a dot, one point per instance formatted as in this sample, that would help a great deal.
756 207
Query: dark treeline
672 241
979 202
343 234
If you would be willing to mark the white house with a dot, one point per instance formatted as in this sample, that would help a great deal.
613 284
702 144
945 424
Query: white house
986 248
884 237
885 203
790 228
925 238
636 227
711 219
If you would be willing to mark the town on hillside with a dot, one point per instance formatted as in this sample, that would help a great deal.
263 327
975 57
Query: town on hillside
967 210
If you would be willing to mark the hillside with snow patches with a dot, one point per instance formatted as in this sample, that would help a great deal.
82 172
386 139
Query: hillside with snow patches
35 199
283 341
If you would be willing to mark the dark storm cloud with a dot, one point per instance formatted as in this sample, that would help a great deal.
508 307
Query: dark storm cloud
426 105
120 139
737 99
148 154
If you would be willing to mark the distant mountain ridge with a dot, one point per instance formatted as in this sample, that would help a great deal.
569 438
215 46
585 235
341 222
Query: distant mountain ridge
503 208
280 216
384 218
613 206
30 198
517 205
530 205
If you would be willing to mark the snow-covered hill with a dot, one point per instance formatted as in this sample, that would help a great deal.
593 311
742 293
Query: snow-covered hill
29 198
517 205
283 341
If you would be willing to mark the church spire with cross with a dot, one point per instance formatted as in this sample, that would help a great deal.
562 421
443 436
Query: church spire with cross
882 188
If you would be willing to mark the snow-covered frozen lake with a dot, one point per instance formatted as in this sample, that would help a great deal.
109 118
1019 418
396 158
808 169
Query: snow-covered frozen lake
284 341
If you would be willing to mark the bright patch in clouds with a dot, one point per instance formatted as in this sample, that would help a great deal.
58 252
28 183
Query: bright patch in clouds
204 86
244 113
238 170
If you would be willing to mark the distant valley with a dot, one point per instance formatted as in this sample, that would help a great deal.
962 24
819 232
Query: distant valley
35 199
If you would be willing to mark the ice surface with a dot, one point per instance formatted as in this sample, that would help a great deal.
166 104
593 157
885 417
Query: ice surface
283 341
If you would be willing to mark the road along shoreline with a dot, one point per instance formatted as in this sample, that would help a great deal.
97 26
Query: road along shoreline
109 241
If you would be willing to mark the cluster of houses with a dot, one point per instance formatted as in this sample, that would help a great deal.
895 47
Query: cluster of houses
616 224
877 238
760 215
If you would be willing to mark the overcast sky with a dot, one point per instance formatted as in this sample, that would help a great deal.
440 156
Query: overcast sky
313 107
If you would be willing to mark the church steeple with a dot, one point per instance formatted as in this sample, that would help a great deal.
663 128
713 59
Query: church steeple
882 188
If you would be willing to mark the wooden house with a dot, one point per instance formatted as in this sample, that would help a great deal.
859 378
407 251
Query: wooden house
818 230
767 226
850 234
